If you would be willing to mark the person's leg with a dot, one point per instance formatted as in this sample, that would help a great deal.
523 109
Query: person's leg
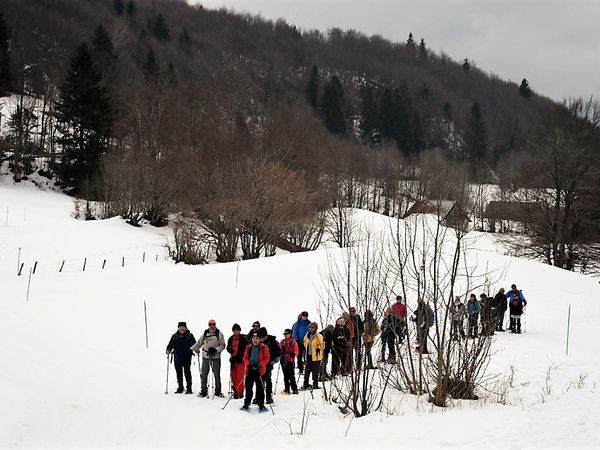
188 376
260 391
204 376
237 379
300 356
268 382
335 362
216 369
179 372
249 384
316 366
307 371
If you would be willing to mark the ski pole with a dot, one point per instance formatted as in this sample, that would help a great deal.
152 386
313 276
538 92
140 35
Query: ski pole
277 379
228 400
199 369
167 384
263 388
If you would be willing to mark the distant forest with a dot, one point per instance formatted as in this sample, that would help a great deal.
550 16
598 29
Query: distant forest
156 106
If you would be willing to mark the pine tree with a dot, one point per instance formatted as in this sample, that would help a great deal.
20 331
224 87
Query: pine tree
185 42
102 47
5 74
130 8
410 42
476 136
369 126
159 29
119 7
466 65
85 120
388 117
418 140
524 89
332 107
404 130
422 50
151 68
312 88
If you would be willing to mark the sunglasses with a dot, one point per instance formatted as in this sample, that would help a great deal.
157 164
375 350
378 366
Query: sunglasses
211 323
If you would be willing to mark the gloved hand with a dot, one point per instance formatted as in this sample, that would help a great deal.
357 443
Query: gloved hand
318 351
231 359
238 358
168 352
270 365
524 302
211 350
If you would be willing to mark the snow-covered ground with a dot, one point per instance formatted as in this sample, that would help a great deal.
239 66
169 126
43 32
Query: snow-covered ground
76 372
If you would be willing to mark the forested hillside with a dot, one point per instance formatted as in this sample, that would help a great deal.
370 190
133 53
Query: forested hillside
157 106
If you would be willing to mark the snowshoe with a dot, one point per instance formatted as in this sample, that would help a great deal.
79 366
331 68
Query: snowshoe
189 391
220 395
179 390
245 408
284 392
203 394
262 409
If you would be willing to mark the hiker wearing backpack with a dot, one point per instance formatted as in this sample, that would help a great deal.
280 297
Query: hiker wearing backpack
289 352
299 330
458 316
179 345
339 353
236 344
369 335
274 356
424 318
501 307
256 360
314 345
211 344
390 330
516 303
473 310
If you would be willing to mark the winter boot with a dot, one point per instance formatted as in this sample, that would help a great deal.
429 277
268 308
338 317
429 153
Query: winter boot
189 390
269 400
179 389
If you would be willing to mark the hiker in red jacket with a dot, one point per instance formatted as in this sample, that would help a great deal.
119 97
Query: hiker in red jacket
289 352
256 359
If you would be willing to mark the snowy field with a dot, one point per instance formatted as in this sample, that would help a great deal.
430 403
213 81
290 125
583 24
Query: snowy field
76 372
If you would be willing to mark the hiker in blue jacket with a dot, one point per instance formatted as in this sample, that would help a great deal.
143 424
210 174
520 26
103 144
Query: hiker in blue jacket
473 310
299 330
516 302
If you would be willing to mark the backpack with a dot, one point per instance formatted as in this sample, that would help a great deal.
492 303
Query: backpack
430 316
274 350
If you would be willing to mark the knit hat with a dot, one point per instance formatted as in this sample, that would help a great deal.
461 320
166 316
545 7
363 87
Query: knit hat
287 331
256 324
262 332
236 327
181 324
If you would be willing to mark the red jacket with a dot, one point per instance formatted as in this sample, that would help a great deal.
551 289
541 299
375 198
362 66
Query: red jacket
289 349
263 358
399 310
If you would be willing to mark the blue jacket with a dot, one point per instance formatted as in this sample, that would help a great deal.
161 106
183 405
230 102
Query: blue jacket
473 307
300 329
180 345
519 295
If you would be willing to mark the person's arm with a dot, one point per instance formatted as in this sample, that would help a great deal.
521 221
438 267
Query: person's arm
220 342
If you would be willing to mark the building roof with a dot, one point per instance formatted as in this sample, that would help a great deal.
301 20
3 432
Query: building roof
517 211
440 208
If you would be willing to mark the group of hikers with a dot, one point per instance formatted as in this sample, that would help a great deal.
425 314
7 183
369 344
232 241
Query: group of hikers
254 354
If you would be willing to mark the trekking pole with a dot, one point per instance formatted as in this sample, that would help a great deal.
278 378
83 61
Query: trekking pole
167 384
212 371
199 370
263 388
277 379
524 319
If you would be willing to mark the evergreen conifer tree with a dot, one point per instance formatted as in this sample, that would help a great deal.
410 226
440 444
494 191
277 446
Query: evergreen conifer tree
130 8
151 68
410 42
369 126
119 7
388 117
476 136
312 88
332 107
102 47
185 42
524 88
85 120
466 65
5 74
422 50
159 29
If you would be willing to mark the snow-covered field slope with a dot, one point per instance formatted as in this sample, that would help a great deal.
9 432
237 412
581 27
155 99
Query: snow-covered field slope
76 372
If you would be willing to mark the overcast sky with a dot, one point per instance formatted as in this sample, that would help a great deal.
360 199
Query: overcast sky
555 44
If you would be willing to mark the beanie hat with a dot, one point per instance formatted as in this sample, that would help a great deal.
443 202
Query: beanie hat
287 331
262 332
236 327
181 324
257 324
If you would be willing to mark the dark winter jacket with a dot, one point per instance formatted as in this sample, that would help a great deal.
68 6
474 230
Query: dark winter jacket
300 328
359 327
516 307
458 312
180 345
341 338
421 316
391 326
274 349
236 346
263 359
328 338
501 301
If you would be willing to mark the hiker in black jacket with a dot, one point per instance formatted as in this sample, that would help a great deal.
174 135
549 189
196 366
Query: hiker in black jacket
274 356
501 306
180 344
